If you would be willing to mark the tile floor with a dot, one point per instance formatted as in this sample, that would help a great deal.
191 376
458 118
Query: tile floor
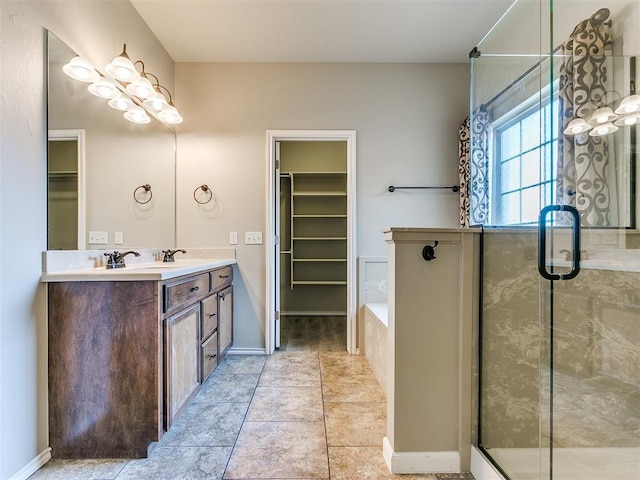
325 333
292 415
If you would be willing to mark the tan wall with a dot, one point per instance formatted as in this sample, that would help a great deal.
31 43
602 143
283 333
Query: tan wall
406 118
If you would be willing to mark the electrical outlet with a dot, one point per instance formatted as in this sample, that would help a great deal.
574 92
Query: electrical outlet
253 238
118 238
233 238
98 238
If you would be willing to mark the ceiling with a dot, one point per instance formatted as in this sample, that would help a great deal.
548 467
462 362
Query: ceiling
404 31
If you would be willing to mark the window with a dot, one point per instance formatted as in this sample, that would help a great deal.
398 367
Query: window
524 170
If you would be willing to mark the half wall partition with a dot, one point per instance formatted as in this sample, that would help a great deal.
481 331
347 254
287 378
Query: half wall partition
555 176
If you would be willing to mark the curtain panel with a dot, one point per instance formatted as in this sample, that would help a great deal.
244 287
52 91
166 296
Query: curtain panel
583 160
474 143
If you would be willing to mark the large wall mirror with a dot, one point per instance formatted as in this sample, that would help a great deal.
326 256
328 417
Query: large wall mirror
96 161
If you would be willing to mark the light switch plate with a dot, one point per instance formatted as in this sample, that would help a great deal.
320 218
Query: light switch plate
98 238
118 238
253 238
233 238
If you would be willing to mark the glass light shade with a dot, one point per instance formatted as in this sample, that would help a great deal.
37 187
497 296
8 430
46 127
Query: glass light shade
576 126
170 115
630 104
602 115
137 114
628 120
104 88
79 69
122 103
157 103
142 88
121 68
604 129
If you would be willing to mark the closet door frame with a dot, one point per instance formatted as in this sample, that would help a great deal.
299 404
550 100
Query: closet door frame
273 194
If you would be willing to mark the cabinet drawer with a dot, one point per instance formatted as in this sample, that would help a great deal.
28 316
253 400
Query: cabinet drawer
221 278
209 315
209 356
183 292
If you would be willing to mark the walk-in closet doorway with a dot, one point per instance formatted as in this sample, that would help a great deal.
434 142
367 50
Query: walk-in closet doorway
311 276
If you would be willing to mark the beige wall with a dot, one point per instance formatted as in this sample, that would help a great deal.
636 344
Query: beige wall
97 30
406 118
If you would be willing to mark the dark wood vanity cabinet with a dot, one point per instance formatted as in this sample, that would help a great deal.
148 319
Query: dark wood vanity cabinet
126 357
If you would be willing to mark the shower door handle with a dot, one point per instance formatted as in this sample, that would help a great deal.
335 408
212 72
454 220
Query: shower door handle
542 242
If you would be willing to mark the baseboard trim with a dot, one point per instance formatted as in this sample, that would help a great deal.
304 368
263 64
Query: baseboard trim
247 351
33 466
420 462
481 468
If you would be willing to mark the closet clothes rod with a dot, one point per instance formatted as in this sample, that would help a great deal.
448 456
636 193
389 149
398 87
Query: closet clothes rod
453 188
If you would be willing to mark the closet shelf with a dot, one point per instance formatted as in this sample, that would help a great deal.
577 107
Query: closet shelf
343 260
319 238
318 216
326 193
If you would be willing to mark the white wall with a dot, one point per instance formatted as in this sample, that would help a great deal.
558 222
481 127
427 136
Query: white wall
97 30
406 117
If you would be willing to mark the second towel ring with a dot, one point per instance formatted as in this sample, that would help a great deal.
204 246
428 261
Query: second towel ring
205 188
147 189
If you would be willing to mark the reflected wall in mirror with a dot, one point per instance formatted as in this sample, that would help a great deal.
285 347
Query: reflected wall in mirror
97 195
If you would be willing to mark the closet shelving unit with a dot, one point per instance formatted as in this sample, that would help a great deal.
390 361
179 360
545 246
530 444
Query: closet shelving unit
318 235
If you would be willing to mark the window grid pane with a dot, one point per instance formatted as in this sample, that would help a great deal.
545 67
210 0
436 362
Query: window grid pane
526 172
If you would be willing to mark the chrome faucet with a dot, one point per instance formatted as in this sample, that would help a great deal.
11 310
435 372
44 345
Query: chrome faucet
116 259
168 255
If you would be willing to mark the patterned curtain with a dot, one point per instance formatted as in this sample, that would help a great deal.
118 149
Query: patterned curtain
582 159
473 153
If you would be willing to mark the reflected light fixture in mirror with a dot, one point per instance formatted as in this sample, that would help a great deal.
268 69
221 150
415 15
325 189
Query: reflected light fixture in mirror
122 68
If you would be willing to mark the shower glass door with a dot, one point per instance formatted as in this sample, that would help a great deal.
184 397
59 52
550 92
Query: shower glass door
560 315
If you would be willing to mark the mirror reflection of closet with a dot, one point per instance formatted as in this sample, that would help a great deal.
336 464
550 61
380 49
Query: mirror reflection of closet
65 186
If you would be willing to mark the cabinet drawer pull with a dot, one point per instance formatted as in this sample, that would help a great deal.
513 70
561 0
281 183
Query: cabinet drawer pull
194 289
223 276
212 314
211 355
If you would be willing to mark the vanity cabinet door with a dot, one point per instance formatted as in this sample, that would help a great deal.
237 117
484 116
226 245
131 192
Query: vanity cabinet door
225 320
182 347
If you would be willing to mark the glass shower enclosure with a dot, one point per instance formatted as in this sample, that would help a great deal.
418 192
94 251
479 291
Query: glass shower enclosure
554 115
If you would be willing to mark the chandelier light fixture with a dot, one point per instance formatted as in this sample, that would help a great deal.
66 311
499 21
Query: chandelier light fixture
127 89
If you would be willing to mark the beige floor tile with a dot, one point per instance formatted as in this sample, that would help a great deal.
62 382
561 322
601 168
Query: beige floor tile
343 363
355 424
352 388
308 358
363 463
279 450
286 404
290 374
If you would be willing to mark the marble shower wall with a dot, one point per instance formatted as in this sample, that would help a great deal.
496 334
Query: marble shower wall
510 347
596 381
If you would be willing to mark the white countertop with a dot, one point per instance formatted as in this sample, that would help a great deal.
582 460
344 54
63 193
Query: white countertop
89 265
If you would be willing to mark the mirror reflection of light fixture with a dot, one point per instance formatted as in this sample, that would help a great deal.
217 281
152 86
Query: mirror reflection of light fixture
79 69
602 115
122 103
603 129
104 88
577 126
627 120
630 104
170 115
122 68
137 114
